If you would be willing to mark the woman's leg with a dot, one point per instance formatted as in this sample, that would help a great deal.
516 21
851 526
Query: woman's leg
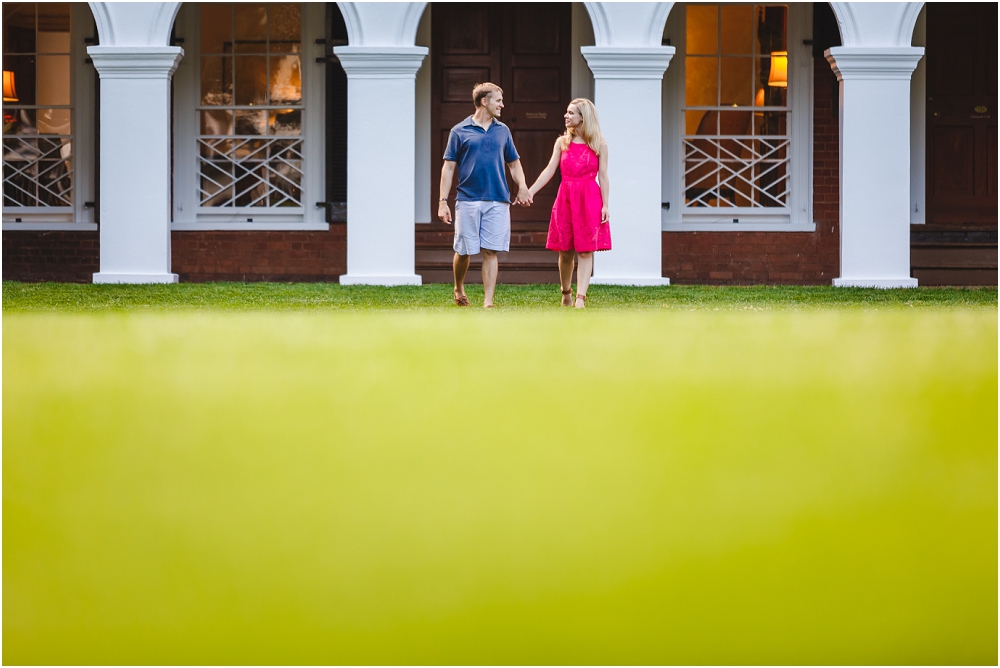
584 268
566 271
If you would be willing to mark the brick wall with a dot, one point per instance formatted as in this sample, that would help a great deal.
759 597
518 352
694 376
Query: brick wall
799 258
260 256
66 257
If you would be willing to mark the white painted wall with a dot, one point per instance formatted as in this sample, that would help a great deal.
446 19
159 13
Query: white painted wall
918 128
582 34
422 150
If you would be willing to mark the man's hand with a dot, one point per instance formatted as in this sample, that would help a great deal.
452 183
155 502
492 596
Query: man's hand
524 197
444 212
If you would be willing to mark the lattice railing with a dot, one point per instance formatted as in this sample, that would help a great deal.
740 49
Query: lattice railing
249 172
736 171
38 170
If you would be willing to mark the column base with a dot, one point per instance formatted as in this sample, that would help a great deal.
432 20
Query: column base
880 283
354 279
628 280
108 277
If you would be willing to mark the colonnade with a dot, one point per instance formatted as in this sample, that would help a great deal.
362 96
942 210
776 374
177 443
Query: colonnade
135 63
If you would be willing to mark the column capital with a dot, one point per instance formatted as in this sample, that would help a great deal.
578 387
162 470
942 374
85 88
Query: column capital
136 62
874 63
610 62
381 62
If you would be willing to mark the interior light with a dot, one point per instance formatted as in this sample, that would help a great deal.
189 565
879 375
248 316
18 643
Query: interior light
778 78
9 91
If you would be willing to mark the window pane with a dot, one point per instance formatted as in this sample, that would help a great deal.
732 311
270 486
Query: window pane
286 80
737 82
22 69
216 28
737 29
250 21
285 25
701 80
54 121
18 27
53 17
53 80
216 122
216 80
251 80
285 122
701 122
702 29
770 123
19 122
772 26
734 122
251 122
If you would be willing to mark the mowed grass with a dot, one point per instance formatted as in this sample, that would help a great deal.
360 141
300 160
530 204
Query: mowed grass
63 297
648 485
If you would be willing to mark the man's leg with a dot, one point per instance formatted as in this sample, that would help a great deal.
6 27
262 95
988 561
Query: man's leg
566 269
490 268
460 265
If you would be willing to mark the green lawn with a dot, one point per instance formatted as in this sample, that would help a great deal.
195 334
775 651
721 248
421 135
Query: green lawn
319 474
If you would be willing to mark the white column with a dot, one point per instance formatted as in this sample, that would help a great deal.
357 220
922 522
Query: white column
874 164
627 92
135 162
380 163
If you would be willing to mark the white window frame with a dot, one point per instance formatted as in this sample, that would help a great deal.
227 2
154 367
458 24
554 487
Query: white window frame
799 215
186 213
82 87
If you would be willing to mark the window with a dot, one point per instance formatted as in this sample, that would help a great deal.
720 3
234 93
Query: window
742 109
43 180
242 154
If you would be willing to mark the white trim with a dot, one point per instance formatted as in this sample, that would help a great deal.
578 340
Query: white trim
918 128
798 215
739 227
136 62
879 283
106 277
627 280
262 226
49 226
355 279
186 214
647 62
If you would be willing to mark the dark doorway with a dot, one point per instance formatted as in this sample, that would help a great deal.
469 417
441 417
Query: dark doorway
962 113
525 49
958 243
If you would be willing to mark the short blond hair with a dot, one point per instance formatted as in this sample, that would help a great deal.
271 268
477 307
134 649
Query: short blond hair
483 90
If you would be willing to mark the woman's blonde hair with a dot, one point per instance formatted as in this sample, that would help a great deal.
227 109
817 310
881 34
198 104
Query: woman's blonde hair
590 129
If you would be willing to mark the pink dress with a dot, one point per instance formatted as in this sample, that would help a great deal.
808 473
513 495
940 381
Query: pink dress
576 215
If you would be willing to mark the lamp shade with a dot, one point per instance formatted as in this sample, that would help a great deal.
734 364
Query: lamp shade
778 78
9 91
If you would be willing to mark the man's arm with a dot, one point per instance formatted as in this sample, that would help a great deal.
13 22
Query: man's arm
447 176
524 197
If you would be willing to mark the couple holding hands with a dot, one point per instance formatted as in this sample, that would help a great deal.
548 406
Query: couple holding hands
479 147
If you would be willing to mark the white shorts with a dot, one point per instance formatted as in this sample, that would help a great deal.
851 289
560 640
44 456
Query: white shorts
481 225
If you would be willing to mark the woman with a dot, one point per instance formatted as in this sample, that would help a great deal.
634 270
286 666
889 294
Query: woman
579 222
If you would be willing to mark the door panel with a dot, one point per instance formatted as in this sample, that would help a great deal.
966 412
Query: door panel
524 49
961 113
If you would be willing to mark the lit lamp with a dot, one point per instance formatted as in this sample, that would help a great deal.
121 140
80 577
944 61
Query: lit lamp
778 78
9 91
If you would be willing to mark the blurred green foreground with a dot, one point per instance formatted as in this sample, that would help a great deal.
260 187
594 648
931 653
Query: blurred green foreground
502 488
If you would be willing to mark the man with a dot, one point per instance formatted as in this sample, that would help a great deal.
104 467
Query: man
478 147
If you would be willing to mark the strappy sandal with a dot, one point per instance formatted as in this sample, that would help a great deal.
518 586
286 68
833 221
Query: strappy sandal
584 298
461 300
567 297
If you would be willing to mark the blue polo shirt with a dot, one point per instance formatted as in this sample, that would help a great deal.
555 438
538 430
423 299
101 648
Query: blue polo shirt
481 156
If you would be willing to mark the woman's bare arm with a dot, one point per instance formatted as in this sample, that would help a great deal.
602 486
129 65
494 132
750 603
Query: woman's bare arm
548 172
602 179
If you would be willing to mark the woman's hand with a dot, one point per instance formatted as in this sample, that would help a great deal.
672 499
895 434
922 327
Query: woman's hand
604 215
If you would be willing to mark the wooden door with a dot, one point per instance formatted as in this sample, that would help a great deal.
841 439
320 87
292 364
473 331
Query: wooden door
525 49
961 113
